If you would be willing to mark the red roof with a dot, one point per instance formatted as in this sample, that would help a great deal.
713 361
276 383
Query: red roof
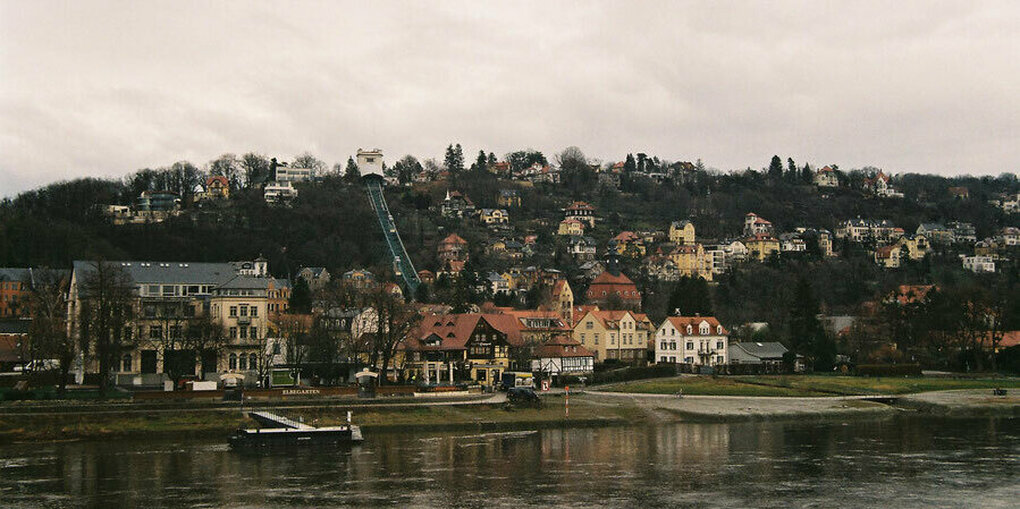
580 205
681 323
909 294
562 346
454 330
453 238
884 252
626 237
217 178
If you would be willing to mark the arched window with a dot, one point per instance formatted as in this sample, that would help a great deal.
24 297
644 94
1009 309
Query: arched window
125 363
242 363
233 361
690 330
253 362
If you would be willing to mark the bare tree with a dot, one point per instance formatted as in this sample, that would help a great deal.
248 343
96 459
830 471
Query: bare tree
307 160
48 337
105 316
255 168
395 318
227 166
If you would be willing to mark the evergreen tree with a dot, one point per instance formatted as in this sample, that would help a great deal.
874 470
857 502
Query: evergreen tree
458 154
301 297
807 336
450 159
629 165
352 173
776 168
807 175
642 158
792 173
492 159
481 163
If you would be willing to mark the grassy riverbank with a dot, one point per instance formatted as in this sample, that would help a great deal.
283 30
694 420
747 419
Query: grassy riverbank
805 385
210 422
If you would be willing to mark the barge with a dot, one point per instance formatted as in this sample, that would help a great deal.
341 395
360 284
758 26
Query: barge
276 431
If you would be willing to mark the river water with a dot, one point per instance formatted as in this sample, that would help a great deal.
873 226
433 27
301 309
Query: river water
901 463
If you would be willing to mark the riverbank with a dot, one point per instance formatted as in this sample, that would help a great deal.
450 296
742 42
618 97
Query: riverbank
805 385
591 409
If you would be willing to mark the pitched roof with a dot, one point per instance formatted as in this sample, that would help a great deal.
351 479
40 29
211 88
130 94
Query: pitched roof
166 272
454 330
453 238
580 205
562 346
681 323
755 352
15 274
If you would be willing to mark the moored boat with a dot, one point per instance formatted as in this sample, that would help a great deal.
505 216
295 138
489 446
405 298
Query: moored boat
281 431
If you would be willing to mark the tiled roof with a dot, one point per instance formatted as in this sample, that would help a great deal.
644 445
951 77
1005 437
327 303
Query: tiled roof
755 352
681 323
166 272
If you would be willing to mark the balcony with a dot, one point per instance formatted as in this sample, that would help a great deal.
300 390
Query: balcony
244 320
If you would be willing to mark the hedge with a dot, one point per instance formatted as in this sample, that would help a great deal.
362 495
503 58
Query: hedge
634 373
889 370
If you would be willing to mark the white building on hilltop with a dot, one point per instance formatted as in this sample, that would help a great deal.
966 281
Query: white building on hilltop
370 162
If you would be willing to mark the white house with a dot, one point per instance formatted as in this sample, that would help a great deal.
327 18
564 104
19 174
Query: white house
276 192
826 177
978 263
563 356
698 340
370 162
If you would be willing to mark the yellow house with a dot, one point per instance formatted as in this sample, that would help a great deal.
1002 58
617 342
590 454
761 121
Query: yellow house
914 247
628 244
459 347
691 261
571 227
681 232
563 300
888 256
621 335
760 246
494 216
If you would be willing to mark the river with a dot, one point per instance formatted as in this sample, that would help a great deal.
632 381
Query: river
903 462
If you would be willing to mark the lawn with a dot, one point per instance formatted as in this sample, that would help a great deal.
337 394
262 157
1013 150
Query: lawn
805 385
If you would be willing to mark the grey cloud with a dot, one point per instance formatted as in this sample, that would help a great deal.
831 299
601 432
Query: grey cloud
104 88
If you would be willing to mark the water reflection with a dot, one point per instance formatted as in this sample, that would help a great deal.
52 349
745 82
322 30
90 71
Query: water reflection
912 462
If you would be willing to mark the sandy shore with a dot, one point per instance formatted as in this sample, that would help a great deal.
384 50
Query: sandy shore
965 403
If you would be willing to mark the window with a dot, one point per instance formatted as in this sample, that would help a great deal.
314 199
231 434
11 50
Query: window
690 330
672 345
582 338
253 362
155 332
589 325
662 346
718 330
596 338
233 311
253 332
276 348
244 332
125 363
233 333
242 362
254 311
672 359
718 345
690 345
662 359
244 310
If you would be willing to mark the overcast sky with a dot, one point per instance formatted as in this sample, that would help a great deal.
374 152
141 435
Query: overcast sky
105 88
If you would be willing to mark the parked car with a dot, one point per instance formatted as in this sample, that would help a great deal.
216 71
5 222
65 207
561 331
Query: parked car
522 397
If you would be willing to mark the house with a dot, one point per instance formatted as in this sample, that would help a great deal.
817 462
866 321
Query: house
613 287
792 243
462 347
358 278
978 264
691 261
613 334
500 168
13 343
581 211
761 246
826 177
315 277
158 201
581 248
936 232
452 248
879 185
562 356
456 205
910 294
1008 203
959 193
628 244
563 300
962 232
754 225
888 256
695 340
1010 236
15 292
491 217
217 187
572 227
292 174
857 230
427 276
767 355
508 198
498 285
279 192
278 293
591 269
681 232
914 247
